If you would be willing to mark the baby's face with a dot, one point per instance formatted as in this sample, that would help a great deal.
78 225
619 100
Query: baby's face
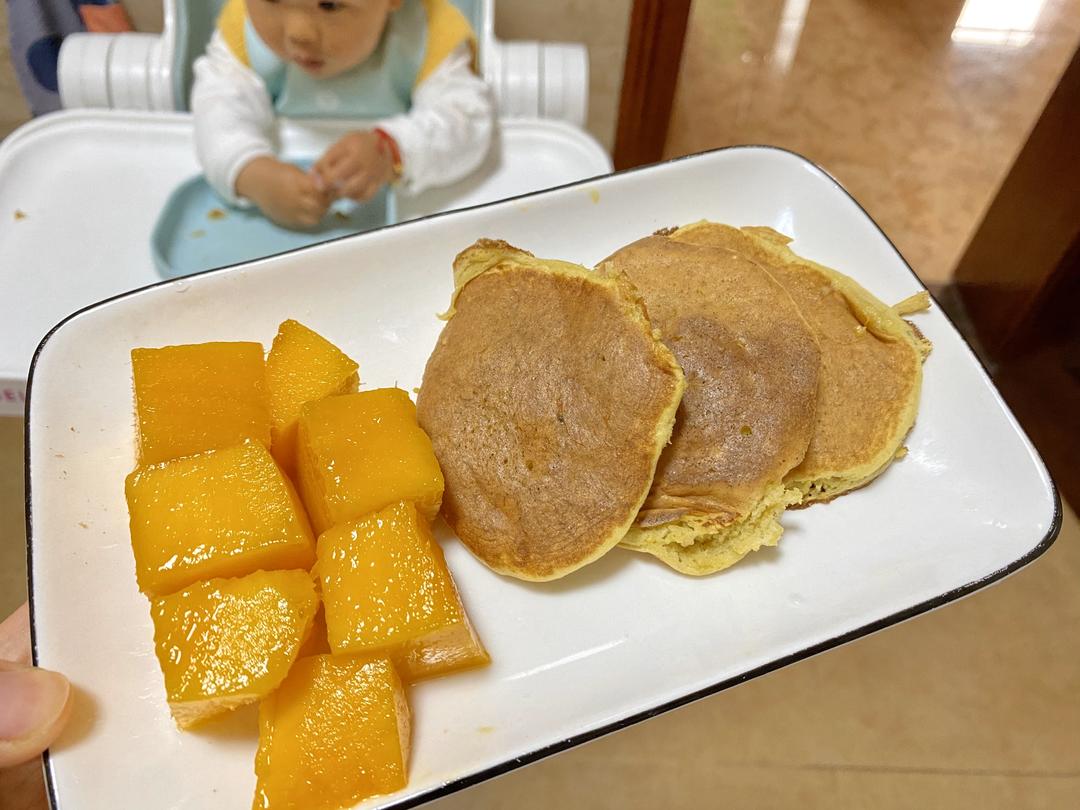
322 37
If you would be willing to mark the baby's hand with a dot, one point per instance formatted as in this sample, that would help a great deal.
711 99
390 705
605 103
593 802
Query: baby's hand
288 195
357 166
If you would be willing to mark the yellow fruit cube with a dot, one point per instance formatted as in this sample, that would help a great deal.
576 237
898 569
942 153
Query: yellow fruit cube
223 513
302 367
334 733
199 397
360 452
228 642
387 591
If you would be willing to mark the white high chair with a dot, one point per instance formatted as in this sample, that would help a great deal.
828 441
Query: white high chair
134 71
80 190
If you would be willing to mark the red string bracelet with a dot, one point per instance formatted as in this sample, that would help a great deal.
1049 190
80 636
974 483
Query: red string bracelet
388 142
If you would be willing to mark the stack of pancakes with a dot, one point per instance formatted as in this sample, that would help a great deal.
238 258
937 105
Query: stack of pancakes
675 401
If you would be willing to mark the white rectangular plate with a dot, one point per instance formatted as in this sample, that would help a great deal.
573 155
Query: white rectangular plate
610 645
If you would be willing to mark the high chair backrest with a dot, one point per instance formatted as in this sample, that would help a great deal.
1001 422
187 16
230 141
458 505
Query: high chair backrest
195 20
194 24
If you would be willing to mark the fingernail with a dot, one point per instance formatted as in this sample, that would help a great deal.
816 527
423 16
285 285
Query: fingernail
30 699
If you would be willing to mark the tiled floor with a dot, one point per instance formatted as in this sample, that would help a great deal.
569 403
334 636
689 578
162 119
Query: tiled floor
918 107
12 107
973 706
12 528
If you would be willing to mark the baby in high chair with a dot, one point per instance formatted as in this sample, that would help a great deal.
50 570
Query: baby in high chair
404 65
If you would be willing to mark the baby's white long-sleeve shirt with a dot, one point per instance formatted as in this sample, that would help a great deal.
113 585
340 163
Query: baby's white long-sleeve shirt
444 137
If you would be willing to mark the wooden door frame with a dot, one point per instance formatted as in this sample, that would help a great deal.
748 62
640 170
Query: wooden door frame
1028 244
653 54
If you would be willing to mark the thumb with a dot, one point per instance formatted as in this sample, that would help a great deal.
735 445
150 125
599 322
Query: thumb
34 706
34 703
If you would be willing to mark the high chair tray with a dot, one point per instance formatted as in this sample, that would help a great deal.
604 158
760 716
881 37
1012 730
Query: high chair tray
610 645
80 192
198 231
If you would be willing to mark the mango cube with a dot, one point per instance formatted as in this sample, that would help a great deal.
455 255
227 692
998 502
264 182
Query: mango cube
199 397
222 513
361 452
302 367
334 733
228 642
387 591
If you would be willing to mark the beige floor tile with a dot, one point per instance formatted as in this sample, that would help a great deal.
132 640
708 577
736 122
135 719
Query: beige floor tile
12 525
920 128
648 783
13 111
146 15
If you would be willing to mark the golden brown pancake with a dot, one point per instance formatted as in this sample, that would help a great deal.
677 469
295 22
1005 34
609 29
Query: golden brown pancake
548 399
746 419
871 362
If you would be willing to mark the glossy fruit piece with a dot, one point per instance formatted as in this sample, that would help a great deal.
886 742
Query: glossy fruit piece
387 591
228 642
199 397
334 733
223 513
361 452
302 367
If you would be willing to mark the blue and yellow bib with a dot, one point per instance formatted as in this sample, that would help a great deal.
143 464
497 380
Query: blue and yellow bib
416 40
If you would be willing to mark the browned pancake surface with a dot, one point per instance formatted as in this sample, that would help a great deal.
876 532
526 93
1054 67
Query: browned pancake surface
548 399
868 379
751 366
